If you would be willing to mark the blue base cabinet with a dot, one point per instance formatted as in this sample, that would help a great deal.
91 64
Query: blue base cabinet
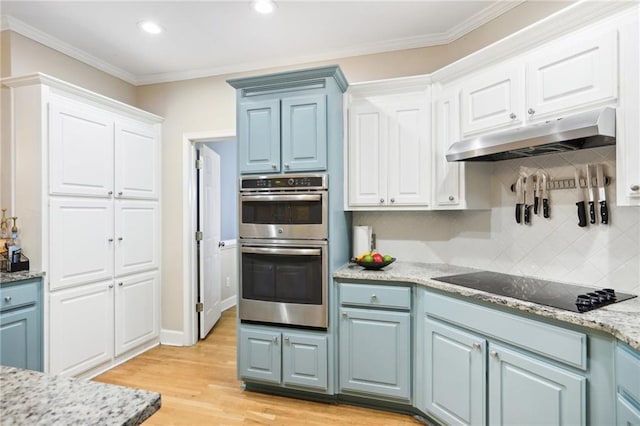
295 359
628 384
21 324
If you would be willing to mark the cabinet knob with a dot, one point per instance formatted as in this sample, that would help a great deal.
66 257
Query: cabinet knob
531 111
273 166
110 192
393 200
110 240
286 165
120 238
344 315
512 116
635 187
221 244
110 285
287 341
275 340
451 198
493 354
476 346
381 200
120 284
120 194
374 297
7 299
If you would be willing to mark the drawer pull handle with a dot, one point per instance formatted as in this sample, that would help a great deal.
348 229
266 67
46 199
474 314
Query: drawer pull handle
476 346
7 299
493 354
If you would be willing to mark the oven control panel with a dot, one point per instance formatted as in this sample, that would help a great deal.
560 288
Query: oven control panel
283 182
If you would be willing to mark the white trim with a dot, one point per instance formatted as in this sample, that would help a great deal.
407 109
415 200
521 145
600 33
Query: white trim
228 303
52 42
172 337
188 226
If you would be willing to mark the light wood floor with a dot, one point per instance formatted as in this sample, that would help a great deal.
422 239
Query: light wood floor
199 387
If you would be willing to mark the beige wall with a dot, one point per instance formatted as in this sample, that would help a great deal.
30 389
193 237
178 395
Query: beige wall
209 104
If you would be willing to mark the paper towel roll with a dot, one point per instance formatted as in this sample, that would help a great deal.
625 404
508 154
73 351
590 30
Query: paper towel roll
361 239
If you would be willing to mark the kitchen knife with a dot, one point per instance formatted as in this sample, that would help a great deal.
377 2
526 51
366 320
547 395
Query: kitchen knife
590 190
528 199
582 216
604 211
536 194
519 199
545 196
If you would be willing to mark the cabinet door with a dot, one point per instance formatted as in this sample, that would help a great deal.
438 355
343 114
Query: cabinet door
80 149
80 241
454 374
571 74
21 337
259 355
137 236
367 154
525 390
304 133
409 150
259 136
137 308
375 353
80 328
137 160
304 360
447 121
492 100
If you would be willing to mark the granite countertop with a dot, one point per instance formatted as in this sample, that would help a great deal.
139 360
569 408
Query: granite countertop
622 320
34 398
10 277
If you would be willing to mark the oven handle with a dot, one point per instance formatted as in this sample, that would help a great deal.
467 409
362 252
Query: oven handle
282 197
283 251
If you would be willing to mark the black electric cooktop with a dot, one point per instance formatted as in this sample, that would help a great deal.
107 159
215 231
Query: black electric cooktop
558 295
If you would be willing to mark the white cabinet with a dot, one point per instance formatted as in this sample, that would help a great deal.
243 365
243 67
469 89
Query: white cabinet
91 218
389 150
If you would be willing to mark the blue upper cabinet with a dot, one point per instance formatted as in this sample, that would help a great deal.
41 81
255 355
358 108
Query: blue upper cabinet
287 122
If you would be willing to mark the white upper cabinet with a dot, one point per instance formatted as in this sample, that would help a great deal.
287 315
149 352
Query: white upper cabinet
137 153
81 149
580 71
492 99
389 149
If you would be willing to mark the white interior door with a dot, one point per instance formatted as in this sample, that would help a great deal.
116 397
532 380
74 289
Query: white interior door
209 254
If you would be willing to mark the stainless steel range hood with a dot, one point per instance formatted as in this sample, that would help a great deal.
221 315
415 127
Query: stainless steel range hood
590 129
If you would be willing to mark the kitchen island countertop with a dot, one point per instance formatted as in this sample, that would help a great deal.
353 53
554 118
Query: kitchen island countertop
622 320
30 397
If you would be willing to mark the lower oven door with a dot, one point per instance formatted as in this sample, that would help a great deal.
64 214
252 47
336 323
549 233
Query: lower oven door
284 282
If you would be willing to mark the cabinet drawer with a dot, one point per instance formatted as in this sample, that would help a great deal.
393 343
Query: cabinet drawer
567 346
382 296
628 371
19 294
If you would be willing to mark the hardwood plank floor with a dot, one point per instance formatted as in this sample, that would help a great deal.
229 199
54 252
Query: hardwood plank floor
199 387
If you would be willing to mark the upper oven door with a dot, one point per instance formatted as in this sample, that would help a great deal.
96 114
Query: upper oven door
284 215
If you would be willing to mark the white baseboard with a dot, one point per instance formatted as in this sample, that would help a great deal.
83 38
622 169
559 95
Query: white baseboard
229 302
172 337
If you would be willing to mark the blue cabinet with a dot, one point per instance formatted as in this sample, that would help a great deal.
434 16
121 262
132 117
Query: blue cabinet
21 324
295 359
628 385
286 121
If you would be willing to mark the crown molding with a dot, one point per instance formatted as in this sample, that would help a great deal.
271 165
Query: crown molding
41 37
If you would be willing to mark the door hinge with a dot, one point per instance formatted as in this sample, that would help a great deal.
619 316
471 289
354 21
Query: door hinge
199 164
199 235
199 307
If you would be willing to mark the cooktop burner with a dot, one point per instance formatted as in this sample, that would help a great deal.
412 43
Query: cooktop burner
558 295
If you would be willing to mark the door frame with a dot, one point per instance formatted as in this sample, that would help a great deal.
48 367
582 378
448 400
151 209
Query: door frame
189 223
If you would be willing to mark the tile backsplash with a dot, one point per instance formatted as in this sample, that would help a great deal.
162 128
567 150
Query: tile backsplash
555 248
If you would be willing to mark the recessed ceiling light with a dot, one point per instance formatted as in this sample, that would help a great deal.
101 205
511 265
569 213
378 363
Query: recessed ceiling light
150 27
263 6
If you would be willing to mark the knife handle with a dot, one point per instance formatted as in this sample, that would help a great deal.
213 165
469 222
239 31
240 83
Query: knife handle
536 200
582 214
592 212
545 208
527 214
604 213
518 213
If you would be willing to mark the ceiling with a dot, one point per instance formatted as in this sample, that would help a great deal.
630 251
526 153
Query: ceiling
203 38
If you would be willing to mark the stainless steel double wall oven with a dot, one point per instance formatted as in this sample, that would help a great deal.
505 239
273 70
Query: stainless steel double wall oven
284 249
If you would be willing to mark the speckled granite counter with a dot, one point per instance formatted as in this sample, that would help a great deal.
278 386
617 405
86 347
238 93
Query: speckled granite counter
622 320
9 277
32 398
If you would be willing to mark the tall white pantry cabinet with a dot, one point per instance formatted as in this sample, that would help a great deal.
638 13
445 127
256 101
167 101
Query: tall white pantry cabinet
87 190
